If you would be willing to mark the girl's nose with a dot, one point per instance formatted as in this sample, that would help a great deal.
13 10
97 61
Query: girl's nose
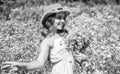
63 23
62 20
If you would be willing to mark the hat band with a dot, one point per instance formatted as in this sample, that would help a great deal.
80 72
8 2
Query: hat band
59 8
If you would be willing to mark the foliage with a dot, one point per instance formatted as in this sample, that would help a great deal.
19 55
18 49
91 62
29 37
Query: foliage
7 5
93 31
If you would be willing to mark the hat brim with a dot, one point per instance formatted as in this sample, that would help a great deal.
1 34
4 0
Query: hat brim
47 14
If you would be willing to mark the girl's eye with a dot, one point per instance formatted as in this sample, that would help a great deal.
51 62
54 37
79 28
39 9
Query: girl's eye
58 17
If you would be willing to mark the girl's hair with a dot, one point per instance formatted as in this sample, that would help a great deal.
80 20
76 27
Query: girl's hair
47 24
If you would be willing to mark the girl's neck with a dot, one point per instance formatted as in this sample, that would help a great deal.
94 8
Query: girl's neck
53 34
58 33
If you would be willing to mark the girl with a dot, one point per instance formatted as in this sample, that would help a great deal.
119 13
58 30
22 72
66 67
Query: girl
53 46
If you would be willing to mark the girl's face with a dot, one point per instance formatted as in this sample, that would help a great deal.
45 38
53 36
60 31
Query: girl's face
59 21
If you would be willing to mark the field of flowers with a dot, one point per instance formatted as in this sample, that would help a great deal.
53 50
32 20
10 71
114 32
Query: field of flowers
93 31
97 30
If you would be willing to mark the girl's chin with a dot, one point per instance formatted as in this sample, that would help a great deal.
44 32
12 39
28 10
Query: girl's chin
60 28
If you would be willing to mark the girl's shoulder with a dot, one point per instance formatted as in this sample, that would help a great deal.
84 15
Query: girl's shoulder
48 41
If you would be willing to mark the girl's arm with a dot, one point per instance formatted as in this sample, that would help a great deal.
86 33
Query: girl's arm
43 55
39 63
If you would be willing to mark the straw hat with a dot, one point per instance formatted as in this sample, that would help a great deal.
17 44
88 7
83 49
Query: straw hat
52 9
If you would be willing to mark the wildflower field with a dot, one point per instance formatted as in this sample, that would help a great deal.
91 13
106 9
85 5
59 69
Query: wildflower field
93 31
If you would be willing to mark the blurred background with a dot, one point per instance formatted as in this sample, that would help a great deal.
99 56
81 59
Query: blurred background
93 26
7 5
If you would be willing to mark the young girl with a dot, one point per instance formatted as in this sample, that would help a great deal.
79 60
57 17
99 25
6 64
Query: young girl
53 45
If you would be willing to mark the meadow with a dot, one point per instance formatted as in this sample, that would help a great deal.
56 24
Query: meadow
93 31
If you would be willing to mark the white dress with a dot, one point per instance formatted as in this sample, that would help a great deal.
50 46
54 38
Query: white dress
62 60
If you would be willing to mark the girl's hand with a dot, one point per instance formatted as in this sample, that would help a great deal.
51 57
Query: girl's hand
12 66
